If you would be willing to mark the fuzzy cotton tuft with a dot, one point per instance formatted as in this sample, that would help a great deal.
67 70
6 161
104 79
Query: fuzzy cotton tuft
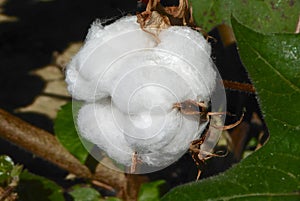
129 82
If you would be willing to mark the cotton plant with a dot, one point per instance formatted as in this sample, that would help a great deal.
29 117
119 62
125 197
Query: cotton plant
129 80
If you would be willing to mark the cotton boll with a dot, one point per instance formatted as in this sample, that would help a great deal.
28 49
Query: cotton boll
130 82
96 124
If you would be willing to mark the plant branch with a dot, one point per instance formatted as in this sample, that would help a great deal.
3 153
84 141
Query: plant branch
242 87
40 143
110 177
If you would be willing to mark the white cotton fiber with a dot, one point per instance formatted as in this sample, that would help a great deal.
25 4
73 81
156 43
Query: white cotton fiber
96 124
155 135
194 49
130 83
149 86
102 47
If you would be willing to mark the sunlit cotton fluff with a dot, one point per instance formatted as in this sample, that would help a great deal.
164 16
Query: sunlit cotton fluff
128 82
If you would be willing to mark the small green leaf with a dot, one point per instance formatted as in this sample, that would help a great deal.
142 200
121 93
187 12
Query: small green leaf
36 188
16 171
272 172
6 167
150 191
267 16
9 172
66 133
85 194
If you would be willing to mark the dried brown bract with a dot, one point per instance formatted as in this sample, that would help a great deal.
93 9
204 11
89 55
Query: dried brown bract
157 17
152 22
191 107
199 156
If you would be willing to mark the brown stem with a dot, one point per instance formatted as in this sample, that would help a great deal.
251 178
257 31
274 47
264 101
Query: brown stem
128 185
109 176
243 87
6 193
226 34
133 185
40 143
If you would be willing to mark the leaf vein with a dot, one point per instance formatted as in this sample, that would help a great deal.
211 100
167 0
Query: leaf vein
285 124
289 174
259 56
289 155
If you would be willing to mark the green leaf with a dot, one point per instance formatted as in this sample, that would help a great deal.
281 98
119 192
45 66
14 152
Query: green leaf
16 171
6 167
150 191
9 172
85 194
66 133
268 16
37 188
273 172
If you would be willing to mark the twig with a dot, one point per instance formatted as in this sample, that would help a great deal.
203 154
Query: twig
103 185
242 87
40 143
8 193
110 177
127 185
133 185
226 34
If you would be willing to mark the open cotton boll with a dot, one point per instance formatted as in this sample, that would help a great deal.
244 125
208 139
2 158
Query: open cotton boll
129 82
